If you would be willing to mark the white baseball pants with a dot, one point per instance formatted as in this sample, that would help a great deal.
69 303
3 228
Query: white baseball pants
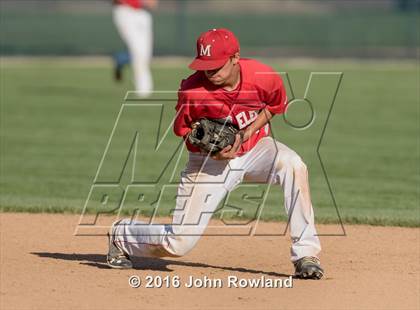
135 28
204 184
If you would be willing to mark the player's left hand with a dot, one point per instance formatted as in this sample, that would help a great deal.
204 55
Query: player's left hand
230 151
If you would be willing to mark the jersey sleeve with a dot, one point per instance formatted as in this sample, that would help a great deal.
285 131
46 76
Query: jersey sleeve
183 118
275 94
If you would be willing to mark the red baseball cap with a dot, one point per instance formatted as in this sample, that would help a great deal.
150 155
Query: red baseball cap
214 47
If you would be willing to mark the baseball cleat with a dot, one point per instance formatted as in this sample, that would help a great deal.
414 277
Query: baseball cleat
116 258
308 267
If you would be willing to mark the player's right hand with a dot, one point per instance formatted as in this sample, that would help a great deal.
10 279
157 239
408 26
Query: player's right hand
230 151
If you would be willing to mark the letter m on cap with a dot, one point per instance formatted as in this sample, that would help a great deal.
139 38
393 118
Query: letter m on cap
205 51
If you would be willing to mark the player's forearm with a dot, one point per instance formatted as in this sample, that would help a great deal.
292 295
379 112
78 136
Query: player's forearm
263 118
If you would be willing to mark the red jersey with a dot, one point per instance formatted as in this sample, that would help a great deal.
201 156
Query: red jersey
260 87
136 4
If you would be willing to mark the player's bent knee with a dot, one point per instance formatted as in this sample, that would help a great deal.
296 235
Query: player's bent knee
293 162
298 165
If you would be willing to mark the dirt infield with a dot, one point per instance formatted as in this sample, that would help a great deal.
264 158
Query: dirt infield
44 266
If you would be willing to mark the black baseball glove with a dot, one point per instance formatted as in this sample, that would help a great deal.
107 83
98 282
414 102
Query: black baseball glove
212 136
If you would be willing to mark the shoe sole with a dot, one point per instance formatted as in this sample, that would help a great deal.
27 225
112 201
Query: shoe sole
115 266
119 267
311 273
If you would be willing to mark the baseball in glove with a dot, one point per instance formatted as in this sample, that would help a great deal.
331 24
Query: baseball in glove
212 136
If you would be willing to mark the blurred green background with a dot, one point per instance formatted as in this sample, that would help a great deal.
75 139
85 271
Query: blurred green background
57 113
340 28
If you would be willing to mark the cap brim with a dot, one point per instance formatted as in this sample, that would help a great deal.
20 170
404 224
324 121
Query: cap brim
200 65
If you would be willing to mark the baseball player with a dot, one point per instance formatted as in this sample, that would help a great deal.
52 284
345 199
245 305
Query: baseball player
134 24
245 94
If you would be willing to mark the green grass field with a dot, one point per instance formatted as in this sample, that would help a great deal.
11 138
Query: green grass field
57 117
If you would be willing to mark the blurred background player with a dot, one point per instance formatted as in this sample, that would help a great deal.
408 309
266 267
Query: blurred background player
134 23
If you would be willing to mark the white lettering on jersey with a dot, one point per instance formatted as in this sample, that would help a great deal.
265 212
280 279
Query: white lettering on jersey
205 51
245 118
